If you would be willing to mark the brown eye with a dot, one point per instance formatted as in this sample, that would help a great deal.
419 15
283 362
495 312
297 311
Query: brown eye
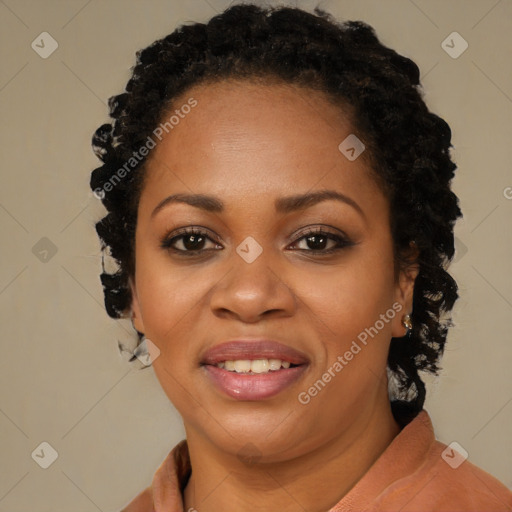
317 242
322 242
192 242
189 240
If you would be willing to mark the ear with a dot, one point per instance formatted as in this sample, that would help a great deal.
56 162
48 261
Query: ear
136 313
404 289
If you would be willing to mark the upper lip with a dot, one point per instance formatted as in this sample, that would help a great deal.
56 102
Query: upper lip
233 350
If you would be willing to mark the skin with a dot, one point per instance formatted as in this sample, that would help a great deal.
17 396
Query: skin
249 145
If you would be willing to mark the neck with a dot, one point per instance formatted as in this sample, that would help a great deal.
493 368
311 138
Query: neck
315 481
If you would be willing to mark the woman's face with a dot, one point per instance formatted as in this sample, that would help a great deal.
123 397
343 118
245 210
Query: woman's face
281 274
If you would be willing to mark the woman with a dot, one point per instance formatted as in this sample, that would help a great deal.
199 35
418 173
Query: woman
279 206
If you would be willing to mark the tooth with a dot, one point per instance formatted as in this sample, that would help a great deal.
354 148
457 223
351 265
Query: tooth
274 364
243 366
254 366
259 366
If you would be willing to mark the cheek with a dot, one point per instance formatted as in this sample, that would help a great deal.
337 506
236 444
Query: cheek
169 299
346 300
352 311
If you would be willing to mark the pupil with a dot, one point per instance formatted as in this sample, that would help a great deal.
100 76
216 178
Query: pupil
320 245
196 240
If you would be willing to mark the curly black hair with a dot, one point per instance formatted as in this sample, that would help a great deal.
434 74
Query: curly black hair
409 148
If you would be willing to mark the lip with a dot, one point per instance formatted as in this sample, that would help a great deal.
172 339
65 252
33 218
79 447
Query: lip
250 386
252 349
253 387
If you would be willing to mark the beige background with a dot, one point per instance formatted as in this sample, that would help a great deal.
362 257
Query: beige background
62 379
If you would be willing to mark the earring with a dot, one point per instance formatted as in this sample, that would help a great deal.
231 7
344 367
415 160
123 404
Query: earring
407 323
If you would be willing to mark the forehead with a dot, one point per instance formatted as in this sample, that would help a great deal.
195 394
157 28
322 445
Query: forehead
233 115
258 139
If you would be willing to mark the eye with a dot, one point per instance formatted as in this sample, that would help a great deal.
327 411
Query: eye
189 240
319 240
192 241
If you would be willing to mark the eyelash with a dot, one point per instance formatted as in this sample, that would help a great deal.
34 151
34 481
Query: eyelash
168 241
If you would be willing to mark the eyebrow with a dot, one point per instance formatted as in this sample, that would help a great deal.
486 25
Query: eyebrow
282 205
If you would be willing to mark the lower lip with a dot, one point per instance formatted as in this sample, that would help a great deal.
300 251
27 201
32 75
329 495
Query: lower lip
253 386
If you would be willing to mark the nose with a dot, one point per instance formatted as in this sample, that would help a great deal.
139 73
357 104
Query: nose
252 291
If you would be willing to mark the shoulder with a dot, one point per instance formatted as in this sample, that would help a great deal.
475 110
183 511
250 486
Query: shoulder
165 490
446 482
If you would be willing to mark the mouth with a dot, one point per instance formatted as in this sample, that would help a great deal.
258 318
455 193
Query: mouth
255 366
253 369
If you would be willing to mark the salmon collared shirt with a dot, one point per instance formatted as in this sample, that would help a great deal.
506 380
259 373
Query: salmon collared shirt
416 473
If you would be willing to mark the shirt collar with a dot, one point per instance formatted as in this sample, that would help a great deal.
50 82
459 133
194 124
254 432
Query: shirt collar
401 458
